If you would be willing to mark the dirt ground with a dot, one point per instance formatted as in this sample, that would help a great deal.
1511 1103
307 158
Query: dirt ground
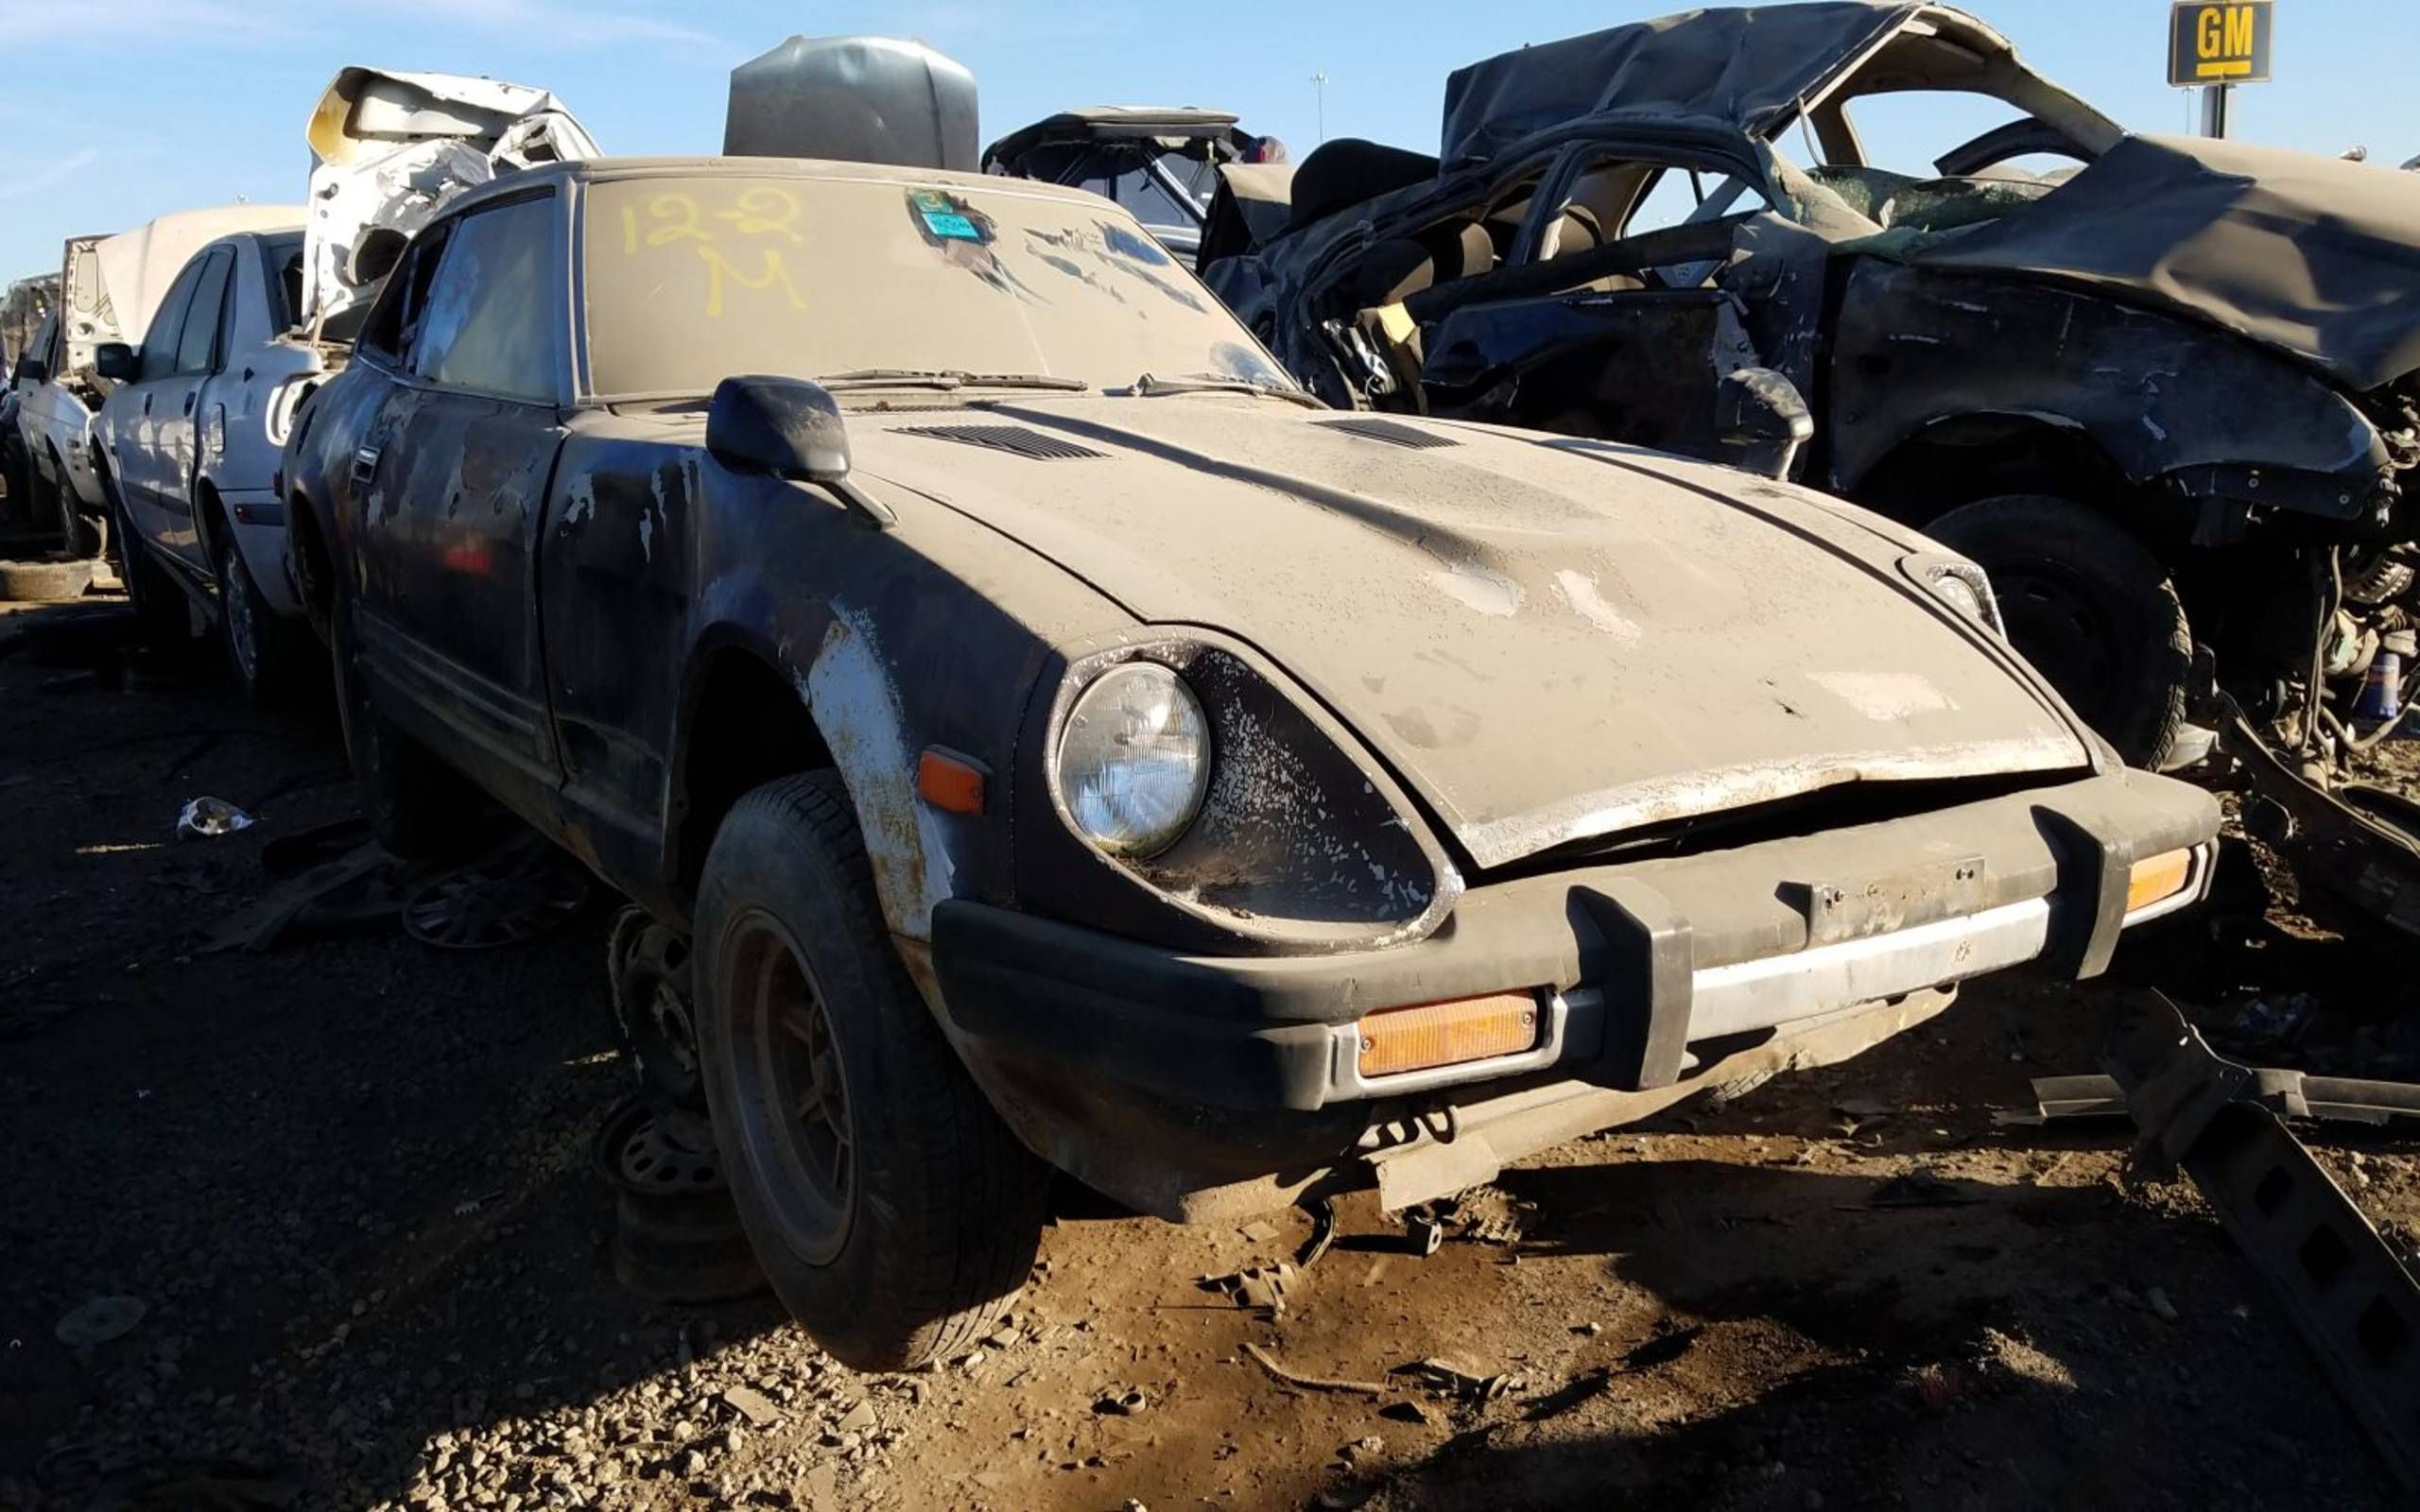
351 1181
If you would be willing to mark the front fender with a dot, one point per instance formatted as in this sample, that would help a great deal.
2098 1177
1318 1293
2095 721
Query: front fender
2163 398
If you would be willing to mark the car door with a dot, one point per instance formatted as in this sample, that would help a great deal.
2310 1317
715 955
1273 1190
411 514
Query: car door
456 465
132 430
173 406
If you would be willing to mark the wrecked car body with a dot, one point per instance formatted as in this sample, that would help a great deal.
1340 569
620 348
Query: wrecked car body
2159 387
1065 738
389 149
1162 164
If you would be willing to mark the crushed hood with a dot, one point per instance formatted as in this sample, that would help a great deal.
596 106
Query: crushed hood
1547 640
391 149
2316 256
1749 67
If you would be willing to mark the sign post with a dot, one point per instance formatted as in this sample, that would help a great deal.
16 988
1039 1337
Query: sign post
2216 44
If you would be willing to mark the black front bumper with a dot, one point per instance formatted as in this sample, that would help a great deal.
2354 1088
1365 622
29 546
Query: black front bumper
1100 1018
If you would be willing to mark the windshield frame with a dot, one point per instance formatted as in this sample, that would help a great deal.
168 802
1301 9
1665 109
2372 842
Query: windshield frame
586 396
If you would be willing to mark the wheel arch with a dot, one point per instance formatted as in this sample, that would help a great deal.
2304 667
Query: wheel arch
742 723
1957 459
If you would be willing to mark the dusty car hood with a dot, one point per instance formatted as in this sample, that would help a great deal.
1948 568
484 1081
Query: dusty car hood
1547 640
2316 257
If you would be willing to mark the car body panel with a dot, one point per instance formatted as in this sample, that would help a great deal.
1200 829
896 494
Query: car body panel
181 444
1713 656
1421 650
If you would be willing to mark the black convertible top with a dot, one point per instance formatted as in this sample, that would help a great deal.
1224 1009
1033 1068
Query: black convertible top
1746 67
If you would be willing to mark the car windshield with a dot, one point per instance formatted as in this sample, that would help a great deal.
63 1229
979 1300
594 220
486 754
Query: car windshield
690 279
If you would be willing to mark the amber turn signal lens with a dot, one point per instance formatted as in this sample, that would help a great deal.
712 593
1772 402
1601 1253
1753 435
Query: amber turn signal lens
953 784
1448 1034
2162 876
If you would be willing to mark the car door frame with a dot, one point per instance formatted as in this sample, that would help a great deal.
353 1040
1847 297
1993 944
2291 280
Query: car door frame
130 435
501 734
177 427
1714 315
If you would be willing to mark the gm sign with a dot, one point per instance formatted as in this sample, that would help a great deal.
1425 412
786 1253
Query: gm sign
2220 44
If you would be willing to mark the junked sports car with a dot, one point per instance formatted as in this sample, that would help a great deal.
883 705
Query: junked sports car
1064 741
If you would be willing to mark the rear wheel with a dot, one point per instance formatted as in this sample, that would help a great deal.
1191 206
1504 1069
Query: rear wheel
80 534
893 1213
414 804
2090 606
258 642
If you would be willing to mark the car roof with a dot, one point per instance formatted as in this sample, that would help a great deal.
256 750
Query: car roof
608 170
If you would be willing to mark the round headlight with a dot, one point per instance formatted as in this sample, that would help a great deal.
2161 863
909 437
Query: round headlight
1134 760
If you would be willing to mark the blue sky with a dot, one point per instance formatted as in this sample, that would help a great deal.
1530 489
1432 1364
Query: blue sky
115 111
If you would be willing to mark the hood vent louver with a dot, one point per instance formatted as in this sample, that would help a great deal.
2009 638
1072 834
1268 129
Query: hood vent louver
1019 439
1392 432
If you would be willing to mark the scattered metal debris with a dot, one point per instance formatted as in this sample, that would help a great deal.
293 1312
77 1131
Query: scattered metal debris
1323 1235
1256 1288
675 1234
1423 1230
1278 1372
2356 1305
2293 1093
100 1320
210 818
512 895
1131 1402
1921 1189
1446 1378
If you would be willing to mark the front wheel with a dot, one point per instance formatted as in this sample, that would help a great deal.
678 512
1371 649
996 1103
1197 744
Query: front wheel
893 1213
2090 604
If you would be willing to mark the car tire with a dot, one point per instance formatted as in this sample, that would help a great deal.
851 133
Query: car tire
2091 608
258 643
163 615
414 804
78 536
897 1216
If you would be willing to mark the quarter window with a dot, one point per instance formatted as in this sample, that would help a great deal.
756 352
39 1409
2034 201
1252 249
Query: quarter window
491 311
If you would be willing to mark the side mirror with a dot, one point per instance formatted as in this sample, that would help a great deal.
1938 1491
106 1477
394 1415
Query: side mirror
117 361
1761 421
786 426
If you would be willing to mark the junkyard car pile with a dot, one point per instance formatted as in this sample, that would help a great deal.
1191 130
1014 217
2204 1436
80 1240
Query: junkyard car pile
1070 728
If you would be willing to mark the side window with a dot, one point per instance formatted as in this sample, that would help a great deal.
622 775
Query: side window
1470 243
1616 198
393 322
159 343
493 308
197 350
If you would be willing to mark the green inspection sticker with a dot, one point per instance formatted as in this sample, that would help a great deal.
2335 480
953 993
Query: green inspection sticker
943 218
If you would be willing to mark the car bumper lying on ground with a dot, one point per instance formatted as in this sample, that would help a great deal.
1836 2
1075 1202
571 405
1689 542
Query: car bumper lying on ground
1550 1006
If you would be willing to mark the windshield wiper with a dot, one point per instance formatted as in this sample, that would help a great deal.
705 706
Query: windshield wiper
1149 386
946 378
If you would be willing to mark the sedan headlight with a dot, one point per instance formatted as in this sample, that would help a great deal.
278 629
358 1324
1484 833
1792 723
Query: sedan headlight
1134 760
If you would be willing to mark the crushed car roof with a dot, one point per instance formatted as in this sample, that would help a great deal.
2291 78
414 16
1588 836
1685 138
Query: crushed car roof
2315 257
1749 67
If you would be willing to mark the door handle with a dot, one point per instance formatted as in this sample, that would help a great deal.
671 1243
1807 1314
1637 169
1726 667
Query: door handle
365 464
146 404
190 396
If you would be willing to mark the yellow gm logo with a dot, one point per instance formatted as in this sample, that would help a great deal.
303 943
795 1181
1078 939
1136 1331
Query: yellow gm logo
2220 44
